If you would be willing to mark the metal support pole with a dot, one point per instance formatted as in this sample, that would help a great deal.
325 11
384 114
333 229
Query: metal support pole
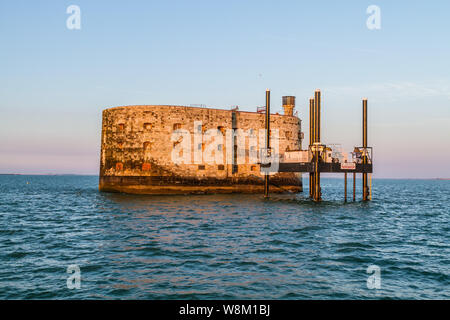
317 193
364 135
317 103
354 186
311 142
266 176
345 178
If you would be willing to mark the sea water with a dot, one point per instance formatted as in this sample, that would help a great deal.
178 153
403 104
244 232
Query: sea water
233 246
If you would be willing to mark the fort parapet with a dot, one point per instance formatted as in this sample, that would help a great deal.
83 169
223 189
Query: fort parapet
137 145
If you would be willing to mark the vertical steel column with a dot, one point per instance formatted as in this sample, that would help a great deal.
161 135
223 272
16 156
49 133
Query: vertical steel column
311 142
317 102
354 186
345 178
365 160
317 193
266 176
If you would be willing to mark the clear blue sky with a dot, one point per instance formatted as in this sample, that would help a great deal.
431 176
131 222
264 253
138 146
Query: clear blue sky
54 82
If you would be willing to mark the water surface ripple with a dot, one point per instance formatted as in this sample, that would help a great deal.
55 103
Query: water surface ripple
222 246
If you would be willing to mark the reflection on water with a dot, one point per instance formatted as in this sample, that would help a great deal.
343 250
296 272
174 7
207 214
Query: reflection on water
222 246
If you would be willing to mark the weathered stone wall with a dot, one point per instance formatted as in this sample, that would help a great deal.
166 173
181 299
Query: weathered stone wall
136 151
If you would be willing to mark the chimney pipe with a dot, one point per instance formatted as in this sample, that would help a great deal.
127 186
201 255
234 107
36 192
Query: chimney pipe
288 105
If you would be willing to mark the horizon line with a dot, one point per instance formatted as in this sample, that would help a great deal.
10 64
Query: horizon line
97 175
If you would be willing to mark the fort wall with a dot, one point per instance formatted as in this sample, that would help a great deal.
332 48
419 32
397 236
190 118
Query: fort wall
137 144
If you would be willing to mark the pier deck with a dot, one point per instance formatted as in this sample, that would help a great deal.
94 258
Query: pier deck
323 167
